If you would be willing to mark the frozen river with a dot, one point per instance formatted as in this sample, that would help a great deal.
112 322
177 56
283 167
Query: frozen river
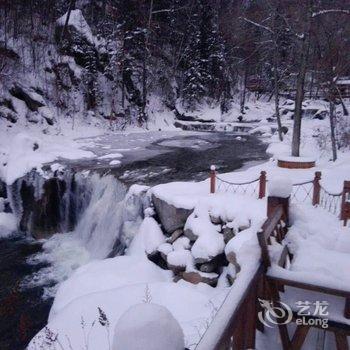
158 157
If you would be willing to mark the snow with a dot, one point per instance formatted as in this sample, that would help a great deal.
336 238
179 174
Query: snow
181 243
280 187
77 20
150 236
115 162
180 258
321 248
208 245
21 152
165 248
8 224
111 155
106 274
297 159
319 244
154 326
189 305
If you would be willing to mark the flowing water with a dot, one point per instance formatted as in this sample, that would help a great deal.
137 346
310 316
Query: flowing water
106 218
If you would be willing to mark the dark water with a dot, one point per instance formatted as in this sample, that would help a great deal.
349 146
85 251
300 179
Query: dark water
23 312
181 158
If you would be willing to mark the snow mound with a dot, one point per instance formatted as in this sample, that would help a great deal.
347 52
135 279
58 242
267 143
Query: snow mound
104 275
280 187
188 304
155 327
8 224
153 235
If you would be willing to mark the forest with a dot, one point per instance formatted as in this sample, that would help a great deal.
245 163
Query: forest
185 52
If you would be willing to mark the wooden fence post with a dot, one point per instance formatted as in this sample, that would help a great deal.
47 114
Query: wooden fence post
317 188
262 184
273 202
345 205
212 178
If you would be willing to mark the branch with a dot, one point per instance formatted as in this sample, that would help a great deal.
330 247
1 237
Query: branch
323 12
168 10
258 25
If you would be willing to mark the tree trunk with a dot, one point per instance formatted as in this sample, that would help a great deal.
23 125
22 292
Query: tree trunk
144 66
244 91
332 124
71 7
276 81
300 94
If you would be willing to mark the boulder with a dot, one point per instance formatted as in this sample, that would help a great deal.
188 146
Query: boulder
213 265
34 117
8 114
182 243
190 234
77 41
47 114
171 217
232 258
165 249
201 277
228 233
179 260
175 235
215 219
7 52
28 95
208 267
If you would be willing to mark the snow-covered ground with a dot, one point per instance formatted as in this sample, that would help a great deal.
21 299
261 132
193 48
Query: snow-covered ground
114 285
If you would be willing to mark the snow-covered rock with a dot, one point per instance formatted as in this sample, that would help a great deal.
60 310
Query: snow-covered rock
28 95
152 235
171 217
8 114
148 326
178 260
77 25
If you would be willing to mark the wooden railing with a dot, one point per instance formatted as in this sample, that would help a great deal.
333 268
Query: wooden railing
311 192
254 187
235 324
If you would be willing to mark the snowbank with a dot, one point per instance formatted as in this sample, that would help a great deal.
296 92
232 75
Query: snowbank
104 275
190 306
154 326
24 151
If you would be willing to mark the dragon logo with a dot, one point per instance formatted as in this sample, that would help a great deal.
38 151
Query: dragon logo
273 315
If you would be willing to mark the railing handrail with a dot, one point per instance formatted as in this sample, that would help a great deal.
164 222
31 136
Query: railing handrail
237 183
332 194
216 335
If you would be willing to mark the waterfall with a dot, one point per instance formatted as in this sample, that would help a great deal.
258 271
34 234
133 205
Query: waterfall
94 217
100 224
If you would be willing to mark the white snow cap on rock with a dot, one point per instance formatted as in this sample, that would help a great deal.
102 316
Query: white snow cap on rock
148 326
280 187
